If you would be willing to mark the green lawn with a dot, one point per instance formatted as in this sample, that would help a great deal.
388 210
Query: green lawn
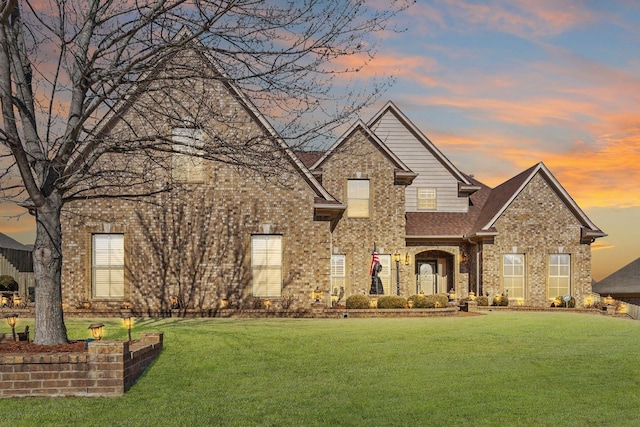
500 369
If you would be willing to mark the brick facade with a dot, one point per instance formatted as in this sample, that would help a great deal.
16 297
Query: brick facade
354 237
195 242
536 224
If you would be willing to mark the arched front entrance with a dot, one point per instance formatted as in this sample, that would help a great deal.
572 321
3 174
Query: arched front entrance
434 272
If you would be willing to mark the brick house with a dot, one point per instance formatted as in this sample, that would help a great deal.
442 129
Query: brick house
230 235
438 230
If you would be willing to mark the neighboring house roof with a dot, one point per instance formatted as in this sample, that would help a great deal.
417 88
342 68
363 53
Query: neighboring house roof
503 195
403 174
9 243
18 255
625 281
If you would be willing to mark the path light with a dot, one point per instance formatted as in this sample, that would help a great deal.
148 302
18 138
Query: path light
11 320
96 330
317 294
128 323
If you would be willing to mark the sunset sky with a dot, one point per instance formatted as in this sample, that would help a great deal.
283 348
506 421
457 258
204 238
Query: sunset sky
501 85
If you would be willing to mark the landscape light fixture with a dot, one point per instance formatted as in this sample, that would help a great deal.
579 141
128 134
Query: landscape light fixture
11 320
317 294
96 330
128 324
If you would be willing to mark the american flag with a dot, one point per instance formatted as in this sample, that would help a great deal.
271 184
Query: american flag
374 259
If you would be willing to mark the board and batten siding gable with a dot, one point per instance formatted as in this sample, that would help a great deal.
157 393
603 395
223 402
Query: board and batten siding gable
431 172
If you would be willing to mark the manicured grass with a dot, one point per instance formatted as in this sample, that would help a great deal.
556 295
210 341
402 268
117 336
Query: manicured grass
505 369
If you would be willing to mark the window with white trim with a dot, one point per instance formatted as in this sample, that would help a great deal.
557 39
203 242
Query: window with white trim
108 266
266 265
427 198
559 275
513 278
338 274
187 163
358 198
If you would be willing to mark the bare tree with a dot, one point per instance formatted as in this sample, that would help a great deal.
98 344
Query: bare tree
67 67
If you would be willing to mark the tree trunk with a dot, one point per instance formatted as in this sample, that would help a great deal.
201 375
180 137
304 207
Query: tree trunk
47 266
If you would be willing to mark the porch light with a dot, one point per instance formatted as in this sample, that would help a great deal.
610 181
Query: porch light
11 320
407 259
463 258
96 330
127 321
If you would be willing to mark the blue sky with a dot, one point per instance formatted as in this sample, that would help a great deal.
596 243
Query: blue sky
501 85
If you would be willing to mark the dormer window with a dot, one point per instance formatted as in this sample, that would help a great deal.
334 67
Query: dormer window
427 198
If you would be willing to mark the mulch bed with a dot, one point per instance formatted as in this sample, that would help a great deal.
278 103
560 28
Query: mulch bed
30 347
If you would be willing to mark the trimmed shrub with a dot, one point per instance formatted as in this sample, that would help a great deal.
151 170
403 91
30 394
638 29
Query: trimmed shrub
500 300
358 301
441 300
482 301
421 301
392 301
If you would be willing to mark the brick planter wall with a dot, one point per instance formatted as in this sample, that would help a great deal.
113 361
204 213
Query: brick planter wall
108 368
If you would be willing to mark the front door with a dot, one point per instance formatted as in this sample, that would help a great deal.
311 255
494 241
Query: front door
427 277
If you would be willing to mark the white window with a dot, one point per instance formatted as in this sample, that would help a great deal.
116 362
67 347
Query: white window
559 275
513 275
427 198
266 265
338 274
108 265
385 275
358 198
187 165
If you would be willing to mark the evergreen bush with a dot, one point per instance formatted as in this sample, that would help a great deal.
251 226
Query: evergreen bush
392 301
500 300
482 301
421 301
358 301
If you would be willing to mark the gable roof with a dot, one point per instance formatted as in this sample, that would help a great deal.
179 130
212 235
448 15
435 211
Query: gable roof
402 172
391 108
624 281
322 198
503 195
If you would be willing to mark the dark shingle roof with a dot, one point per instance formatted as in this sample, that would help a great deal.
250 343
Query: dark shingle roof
624 281
308 158
449 223
8 243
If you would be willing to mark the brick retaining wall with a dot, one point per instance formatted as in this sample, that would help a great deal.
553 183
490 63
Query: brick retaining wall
107 368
